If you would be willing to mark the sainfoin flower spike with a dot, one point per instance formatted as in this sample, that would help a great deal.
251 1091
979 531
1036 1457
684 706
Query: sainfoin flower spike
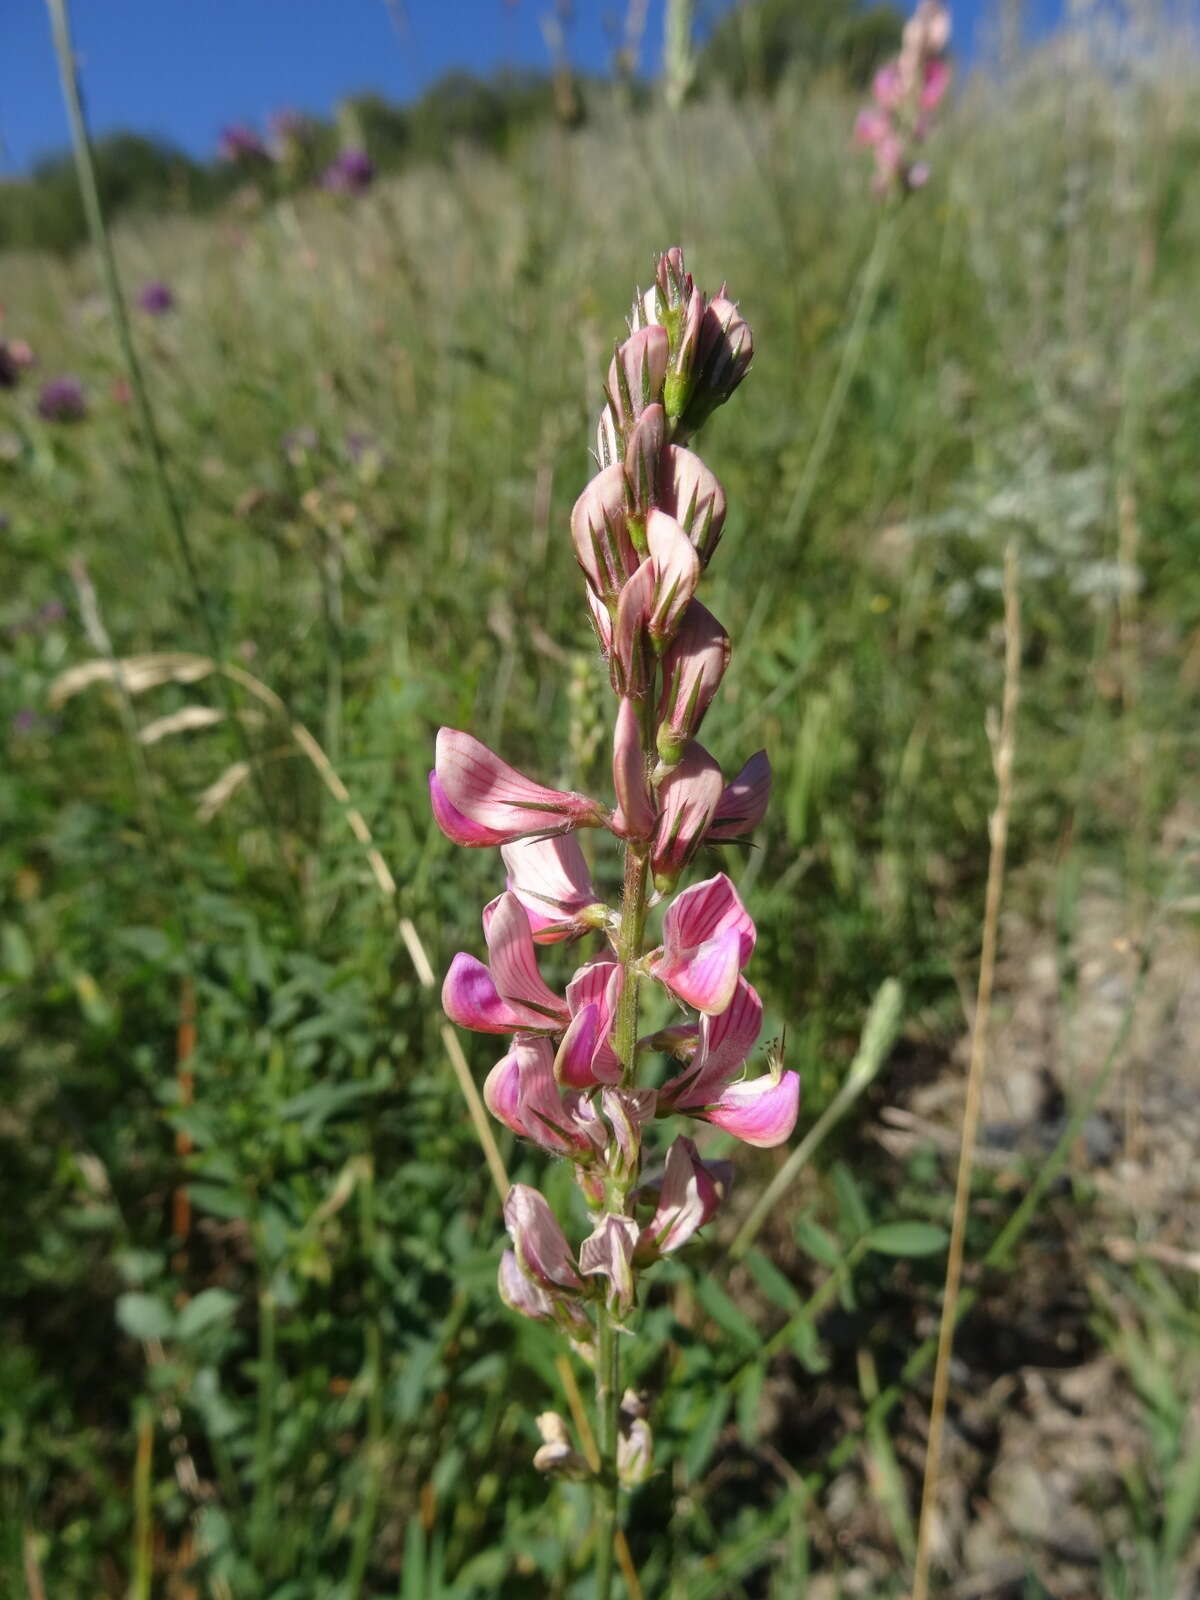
576 1078
905 93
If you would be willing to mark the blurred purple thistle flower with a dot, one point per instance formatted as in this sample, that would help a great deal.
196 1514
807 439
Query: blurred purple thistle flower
352 172
62 400
156 299
240 144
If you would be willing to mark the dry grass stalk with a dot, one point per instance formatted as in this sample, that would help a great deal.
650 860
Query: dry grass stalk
1003 742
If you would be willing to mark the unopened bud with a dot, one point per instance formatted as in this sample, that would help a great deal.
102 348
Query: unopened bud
556 1453
635 1442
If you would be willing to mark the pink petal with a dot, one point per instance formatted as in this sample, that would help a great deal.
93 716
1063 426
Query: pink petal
725 1042
601 622
502 1093
513 966
687 797
628 1112
573 1063
599 984
676 574
470 998
744 801
456 827
704 910
630 778
706 976
643 451
551 880
690 493
486 790
761 1112
541 1249
630 659
870 127
549 1118
600 532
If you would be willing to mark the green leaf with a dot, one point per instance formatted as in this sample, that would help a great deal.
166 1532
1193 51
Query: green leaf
750 1388
818 1244
143 1316
853 1217
772 1282
907 1239
209 1309
727 1316
703 1438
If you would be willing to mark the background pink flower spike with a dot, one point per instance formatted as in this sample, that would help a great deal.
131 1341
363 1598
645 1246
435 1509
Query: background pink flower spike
761 1112
743 802
458 828
551 880
486 790
708 937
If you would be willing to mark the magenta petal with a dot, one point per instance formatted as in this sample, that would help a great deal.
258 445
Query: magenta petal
599 984
457 827
743 802
573 1063
502 1093
760 1112
551 880
937 81
687 797
706 976
513 966
486 790
470 998
703 911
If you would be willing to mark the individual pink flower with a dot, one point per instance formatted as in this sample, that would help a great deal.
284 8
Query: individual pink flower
743 802
689 1195
723 1042
551 880
688 798
478 799
760 1112
690 493
708 937
585 1055
508 995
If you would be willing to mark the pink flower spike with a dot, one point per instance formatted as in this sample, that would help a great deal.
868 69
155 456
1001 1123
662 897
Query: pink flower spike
725 1041
541 1249
688 797
636 374
690 493
744 801
690 1195
600 532
761 1112
630 779
676 574
693 667
608 1252
870 127
551 880
487 791
887 87
520 1293
708 937
457 828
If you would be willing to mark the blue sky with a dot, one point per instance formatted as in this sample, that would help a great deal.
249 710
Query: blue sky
181 69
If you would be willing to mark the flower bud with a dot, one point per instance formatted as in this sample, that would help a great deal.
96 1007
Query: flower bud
541 1249
724 349
687 797
643 457
693 667
607 1252
635 376
557 1454
630 780
600 533
635 1442
690 493
690 1193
